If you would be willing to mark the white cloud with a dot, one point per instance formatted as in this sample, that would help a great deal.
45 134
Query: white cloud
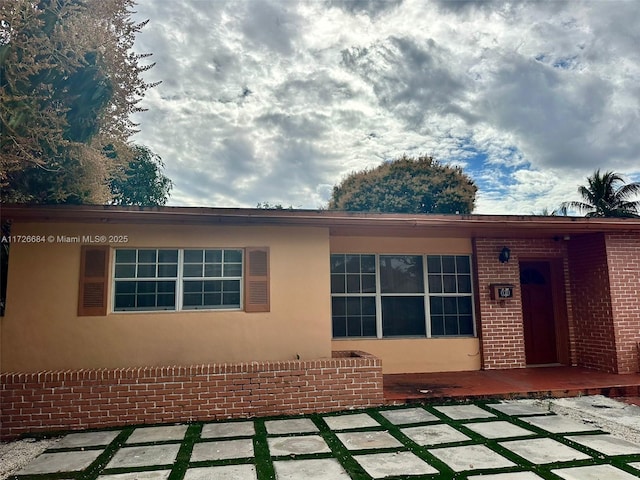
277 101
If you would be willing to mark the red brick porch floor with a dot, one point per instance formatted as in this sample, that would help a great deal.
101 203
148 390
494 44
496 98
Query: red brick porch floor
536 382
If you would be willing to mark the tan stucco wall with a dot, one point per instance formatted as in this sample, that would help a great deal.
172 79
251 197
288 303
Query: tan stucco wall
419 355
436 246
41 329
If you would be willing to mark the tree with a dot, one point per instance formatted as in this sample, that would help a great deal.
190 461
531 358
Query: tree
68 85
141 182
406 185
607 195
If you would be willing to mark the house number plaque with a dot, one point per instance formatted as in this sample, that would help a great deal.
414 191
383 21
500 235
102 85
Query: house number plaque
501 291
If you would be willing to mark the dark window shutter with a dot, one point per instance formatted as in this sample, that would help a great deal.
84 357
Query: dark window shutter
256 281
92 298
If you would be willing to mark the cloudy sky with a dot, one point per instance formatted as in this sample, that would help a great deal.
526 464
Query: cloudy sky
276 101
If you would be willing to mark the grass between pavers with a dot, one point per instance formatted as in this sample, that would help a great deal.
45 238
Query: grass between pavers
265 470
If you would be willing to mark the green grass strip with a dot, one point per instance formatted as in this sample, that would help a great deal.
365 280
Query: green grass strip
92 472
184 454
340 452
264 465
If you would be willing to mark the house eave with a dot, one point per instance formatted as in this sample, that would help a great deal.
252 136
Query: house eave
339 223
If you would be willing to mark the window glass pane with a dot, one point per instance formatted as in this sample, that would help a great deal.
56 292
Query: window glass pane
167 256
339 306
368 263
339 326
233 270
212 286
401 274
433 264
192 287
231 299
450 305
192 270
464 283
166 300
435 284
125 271
464 306
146 256
353 263
166 287
146 301
167 271
125 287
403 316
449 283
448 264
463 264
354 327
125 256
193 256
353 306
147 271
337 263
337 283
230 285
233 256
466 325
213 270
369 306
450 325
191 299
368 283
436 306
125 302
213 299
146 287
437 325
353 283
213 256
369 326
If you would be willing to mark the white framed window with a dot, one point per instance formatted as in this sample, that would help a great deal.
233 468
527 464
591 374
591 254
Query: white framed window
386 296
177 279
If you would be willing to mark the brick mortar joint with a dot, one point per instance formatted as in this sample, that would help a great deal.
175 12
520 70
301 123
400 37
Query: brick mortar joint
341 359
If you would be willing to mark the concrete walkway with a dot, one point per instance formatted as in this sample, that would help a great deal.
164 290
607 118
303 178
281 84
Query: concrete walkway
506 440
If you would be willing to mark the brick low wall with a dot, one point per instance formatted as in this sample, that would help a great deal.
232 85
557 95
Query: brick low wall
72 400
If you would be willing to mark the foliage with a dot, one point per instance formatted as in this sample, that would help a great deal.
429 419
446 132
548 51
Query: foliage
406 185
558 212
606 195
68 85
141 182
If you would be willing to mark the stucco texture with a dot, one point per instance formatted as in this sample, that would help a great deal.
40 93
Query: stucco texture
42 331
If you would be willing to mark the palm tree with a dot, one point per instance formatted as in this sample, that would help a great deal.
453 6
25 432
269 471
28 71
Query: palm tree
607 196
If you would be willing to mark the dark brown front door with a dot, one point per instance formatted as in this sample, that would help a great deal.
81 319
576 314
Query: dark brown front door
537 310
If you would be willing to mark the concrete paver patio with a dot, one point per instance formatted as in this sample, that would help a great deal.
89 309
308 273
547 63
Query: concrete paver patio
485 440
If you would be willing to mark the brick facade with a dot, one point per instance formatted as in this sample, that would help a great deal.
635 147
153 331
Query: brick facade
595 336
72 400
500 322
623 254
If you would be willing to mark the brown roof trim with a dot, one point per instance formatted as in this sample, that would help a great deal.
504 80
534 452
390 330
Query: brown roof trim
340 223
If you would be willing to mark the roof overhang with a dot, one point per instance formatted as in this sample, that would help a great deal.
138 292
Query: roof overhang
339 223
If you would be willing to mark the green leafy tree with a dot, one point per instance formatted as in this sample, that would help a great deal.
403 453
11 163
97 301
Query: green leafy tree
607 195
68 85
406 185
141 182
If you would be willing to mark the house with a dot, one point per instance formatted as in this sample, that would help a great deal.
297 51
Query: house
97 293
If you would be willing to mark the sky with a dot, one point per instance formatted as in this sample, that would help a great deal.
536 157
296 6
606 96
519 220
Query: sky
277 101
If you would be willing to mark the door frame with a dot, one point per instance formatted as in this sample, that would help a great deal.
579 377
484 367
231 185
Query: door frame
559 299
